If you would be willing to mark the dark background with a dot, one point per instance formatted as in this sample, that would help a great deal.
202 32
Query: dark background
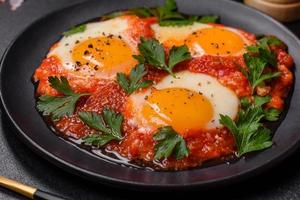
20 163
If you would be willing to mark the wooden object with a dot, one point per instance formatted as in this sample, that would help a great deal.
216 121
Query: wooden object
282 10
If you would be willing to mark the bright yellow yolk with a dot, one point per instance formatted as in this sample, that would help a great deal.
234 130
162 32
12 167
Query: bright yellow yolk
104 54
180 108
217 41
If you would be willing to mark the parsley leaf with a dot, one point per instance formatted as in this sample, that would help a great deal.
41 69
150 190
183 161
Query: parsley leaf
272 114
178 54
152 53
109 124
134 81
168 15
208 19
76 29
262 48
58 106
98 140
250 134
169 143
259 101
256 67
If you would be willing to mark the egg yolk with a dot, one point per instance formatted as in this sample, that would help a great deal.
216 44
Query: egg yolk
216 41
180 108
104 54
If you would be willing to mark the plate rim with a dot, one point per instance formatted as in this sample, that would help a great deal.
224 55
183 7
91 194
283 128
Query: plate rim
86 174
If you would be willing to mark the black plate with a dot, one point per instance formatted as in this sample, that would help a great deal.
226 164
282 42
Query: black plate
17 94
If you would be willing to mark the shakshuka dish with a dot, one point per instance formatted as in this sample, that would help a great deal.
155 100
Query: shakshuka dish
162 89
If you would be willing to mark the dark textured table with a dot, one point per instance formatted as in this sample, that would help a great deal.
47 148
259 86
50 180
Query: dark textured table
20 163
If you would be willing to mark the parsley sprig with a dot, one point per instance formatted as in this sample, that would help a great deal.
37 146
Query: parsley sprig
59 106
250 134
108 124
134 81
263 50
167 15
260 56
153 53
256 67
75 29
169 142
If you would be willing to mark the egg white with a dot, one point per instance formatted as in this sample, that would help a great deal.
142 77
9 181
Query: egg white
223 100
180 33
116 27
164 33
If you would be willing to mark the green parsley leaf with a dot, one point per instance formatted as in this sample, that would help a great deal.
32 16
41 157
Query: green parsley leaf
109 124
256 66
268 56
74 30
249 133
262 48
169 142
272 114
259 101
266 41
153 53
168 15
245 103
208 19
98 140
134 81
60 85
178 54
260 140
59 106
183 22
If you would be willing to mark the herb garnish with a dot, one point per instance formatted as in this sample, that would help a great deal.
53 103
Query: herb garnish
263 50
152 53
208 19
58 106
250 134
167 15
134 81
76 29
169 142
256 66
109 124
259 57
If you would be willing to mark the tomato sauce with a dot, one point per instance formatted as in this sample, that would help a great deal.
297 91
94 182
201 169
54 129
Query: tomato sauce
203 145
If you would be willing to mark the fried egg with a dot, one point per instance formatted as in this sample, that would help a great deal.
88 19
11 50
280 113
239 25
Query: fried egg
189 101
102 50
204 39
